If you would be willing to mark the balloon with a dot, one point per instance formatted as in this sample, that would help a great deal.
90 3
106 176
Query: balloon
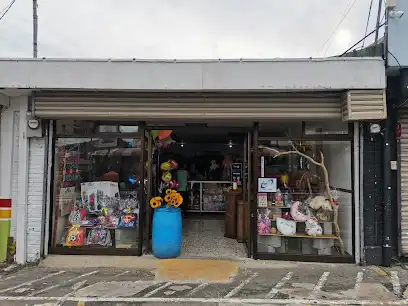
163 134
166 177
284 179
177 185
155 133
172 184
173 164
165 166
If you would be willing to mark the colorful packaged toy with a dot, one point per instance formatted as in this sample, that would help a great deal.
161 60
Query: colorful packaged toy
75 237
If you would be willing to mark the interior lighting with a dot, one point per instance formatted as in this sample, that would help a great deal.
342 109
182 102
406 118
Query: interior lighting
182 144
230 143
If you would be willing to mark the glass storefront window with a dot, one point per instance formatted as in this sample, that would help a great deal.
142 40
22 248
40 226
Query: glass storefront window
295 216
97 192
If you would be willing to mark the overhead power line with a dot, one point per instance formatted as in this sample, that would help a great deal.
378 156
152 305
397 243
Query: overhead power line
359 42
6 9
368 21
327 42
380 2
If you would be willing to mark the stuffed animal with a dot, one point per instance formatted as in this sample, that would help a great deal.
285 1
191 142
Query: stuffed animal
313 228
297 215
286 227
320 202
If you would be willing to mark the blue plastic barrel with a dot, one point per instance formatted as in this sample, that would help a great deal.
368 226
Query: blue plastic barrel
167 232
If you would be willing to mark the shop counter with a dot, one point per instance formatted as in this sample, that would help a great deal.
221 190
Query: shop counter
207 196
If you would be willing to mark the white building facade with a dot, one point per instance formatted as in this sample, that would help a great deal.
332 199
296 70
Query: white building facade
26 154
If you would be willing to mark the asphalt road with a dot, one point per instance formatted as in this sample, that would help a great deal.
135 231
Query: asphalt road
307 284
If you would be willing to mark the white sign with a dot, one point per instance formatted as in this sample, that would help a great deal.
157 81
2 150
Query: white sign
267 184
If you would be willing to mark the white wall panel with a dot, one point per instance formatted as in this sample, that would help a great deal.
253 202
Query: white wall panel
35 200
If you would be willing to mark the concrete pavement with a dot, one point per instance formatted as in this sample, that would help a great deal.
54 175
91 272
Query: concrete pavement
290 284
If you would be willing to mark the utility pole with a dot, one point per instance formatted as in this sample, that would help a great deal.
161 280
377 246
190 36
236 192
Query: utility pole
35 29
377 26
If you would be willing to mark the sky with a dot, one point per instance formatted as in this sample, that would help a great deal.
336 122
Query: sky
183 29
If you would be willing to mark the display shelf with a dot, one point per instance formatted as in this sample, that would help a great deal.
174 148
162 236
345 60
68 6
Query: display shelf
102 227
201 197
318 221
273 206
326 236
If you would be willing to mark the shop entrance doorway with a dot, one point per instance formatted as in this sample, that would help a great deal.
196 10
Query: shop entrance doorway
212 176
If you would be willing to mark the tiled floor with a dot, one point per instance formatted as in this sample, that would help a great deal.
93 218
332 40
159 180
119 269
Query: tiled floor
204 236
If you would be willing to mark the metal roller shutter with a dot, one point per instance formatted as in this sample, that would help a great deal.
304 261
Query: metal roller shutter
188 105
404 180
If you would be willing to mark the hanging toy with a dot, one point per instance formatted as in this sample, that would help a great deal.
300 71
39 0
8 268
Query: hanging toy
173 164
163 134
158 143
162 186
166 166
166 177
168 142
284 179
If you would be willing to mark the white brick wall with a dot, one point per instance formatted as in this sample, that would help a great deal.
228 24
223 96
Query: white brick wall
14 172
35 200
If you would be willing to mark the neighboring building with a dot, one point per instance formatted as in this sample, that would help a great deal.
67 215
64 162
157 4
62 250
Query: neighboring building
323 102
396 44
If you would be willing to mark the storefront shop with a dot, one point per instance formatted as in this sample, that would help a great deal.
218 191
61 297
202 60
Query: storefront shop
288 156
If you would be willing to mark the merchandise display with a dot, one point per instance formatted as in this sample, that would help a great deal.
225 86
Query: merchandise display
208 196
101 210
93 213
213 197
301 216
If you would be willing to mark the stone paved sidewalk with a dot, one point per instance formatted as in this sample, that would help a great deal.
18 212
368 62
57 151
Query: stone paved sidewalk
299 284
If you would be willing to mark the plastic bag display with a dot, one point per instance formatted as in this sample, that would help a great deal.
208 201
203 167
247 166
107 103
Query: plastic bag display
127 221
75 237
77 217
99 236
264 223
128 199
98 195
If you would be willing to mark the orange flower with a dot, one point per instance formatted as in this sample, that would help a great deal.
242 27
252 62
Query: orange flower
167 198
156 202
179 200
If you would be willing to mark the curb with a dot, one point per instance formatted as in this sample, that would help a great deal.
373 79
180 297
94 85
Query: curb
149 262
8 268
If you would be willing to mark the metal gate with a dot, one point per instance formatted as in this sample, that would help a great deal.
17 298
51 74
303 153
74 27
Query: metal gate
188 105
404 181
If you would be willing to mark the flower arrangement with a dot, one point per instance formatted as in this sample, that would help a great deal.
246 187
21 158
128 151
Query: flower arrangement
172 198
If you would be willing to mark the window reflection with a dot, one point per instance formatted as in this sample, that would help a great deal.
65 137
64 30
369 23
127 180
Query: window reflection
97 199
295 214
